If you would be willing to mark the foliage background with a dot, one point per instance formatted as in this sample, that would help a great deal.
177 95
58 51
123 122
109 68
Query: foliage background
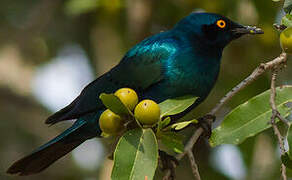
33 33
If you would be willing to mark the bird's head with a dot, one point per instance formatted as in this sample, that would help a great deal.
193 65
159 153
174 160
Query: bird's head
213 29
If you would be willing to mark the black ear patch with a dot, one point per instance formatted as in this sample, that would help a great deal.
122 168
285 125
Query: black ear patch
210 31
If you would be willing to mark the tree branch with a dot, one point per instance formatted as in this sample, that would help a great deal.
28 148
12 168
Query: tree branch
260 70
276 114
194 165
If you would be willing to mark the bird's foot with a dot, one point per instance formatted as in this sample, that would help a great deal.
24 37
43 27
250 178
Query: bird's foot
205 123
168 162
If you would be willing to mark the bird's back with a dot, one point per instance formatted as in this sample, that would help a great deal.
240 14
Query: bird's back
141 68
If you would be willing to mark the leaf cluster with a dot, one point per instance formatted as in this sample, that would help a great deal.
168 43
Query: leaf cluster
136 154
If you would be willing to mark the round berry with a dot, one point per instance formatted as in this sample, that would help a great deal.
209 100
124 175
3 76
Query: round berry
110 123
147 112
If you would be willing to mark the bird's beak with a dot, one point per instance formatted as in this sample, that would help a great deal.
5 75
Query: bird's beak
241 30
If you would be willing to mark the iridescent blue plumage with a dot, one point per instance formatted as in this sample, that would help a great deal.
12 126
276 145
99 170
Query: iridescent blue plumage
184 60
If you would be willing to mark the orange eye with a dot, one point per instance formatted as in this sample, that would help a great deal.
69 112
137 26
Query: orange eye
221 23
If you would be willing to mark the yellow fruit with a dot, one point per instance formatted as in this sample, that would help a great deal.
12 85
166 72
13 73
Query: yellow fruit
147 112
110 122
128 97
286 40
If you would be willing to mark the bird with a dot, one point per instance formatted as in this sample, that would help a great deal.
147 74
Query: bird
184 60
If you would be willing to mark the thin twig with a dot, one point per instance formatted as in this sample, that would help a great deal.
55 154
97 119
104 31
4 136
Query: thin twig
260 70
191 142
276 114
273 95
194 166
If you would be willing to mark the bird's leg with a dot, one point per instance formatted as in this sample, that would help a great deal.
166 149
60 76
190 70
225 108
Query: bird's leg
204 122
168 162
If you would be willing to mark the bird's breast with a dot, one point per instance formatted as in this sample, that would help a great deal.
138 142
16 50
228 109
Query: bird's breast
196 76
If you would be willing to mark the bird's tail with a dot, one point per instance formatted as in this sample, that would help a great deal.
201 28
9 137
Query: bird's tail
48 153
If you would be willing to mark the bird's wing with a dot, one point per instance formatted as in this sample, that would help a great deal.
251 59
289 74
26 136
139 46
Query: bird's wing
141 67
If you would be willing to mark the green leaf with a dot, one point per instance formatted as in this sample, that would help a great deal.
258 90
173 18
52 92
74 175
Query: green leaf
172 141
113 103
176 105
136 155
287 6
286 159
181 125
289 139
250 118
163 123
287 20
76 7
289 172
283 128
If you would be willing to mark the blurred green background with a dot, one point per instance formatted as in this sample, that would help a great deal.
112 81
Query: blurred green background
50 49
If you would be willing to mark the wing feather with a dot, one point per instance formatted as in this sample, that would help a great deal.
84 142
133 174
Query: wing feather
140 68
